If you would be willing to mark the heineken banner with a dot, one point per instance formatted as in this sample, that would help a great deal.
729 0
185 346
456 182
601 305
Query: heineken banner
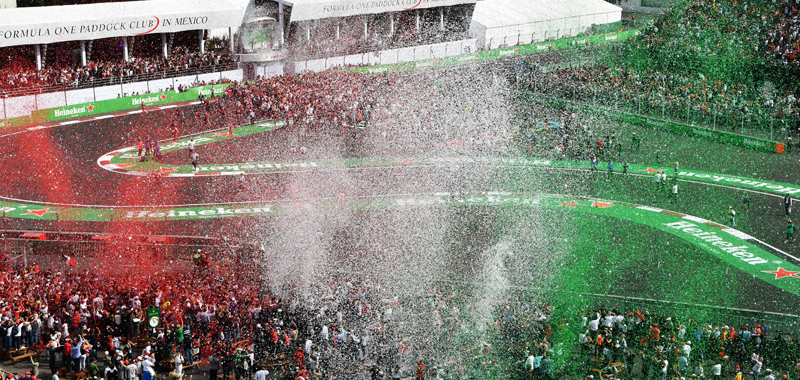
127 103
153 317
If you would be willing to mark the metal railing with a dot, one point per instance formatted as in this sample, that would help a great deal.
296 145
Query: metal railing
749 118
706 314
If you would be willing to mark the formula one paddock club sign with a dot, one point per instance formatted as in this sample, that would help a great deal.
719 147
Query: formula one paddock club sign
44 25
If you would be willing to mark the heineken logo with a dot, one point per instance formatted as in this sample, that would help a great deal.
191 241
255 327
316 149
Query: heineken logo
211 91
744 182
702 132
149 99
719 244
72 111
753 142
203 212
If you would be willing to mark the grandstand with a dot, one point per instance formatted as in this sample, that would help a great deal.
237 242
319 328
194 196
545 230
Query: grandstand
148 46
319 35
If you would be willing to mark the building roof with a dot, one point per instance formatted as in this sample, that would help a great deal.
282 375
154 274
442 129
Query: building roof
503 13
303 10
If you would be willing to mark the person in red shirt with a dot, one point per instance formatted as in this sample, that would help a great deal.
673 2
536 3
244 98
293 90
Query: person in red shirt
655 333
302 373
420 370
273 337
67 349
299 357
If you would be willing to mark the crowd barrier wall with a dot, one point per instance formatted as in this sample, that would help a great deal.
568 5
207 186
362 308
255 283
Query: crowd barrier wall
21 110
355 59
466 51
389 57
373 58
20 106
89 108
138 87
50 100
334 62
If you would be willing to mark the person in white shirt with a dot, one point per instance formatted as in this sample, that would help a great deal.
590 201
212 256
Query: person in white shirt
261 374
594 324
178 363
716 370
131 371
324 333
147 369
608 321
757 363
529 363
681 332
18 336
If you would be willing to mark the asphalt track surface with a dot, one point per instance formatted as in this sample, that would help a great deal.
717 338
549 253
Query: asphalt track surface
58 165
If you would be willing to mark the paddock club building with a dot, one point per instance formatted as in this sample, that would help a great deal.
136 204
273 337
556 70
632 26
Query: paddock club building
124 26
316 35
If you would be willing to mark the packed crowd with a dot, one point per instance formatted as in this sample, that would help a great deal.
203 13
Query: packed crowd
650 344
668 93
220 314
693 64
324 42
783 41
701 34
322 100
181 61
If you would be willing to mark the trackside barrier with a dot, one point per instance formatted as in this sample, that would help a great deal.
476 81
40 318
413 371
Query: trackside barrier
113 105
706 314
22 106
704 133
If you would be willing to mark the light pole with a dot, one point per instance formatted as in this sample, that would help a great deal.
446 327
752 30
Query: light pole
5 232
